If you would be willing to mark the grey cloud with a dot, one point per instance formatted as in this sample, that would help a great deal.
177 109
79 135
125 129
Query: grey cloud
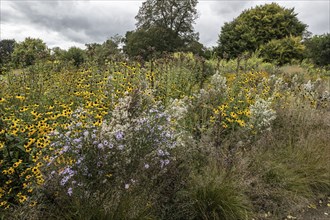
81 22
228 7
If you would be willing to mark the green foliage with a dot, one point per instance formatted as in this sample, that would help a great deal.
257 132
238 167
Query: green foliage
249 63
57 53
29 52
163 26
196 48
174 15
108 50
6 49
257 26
152 42
75 55
283 51
318 49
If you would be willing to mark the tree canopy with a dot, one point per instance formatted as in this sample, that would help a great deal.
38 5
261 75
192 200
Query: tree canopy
152 42
318 49
175 15
257 26
75 55
29 52
162 26
283 51
6 49
105 51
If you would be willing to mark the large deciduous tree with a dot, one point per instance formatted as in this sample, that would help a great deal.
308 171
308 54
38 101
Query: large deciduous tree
162 26
108 50
257 26
6 49
29 52
149 43
318 49
75 55
175 15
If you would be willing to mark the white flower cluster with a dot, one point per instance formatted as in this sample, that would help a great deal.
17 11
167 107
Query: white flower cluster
218 82
218 87
142 134
279 84
177 109
325 96
308 87
119 119
262 114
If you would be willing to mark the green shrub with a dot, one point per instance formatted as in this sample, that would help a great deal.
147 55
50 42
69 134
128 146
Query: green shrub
318 49
283 51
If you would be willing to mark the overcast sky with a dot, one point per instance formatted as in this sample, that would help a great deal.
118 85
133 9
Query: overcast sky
66 23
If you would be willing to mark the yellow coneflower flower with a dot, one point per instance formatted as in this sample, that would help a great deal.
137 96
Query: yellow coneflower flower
22 198
233 114
35 170
20 97
212 119
15 165
10 171
241 123
33 203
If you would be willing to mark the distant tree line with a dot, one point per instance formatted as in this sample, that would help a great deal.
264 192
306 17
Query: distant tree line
272 31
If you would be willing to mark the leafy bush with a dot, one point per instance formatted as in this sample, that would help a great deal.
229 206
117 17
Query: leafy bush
318 49
257 26
283 51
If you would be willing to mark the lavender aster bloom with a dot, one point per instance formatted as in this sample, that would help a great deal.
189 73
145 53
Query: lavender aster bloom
160 152
77 140
64 180
70 191
119 135
100 146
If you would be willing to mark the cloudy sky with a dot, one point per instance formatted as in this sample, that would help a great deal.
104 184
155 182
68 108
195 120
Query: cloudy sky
67 23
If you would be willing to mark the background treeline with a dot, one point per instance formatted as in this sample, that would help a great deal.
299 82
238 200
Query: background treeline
269 31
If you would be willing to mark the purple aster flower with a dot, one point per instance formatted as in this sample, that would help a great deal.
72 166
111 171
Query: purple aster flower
70 191
119 135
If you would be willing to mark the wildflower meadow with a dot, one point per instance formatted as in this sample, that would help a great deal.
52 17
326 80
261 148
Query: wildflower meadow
185 139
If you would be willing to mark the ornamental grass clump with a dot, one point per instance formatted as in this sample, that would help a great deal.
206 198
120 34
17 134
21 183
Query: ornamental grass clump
214 193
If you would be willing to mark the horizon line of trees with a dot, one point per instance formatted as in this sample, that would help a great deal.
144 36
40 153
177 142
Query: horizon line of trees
272 31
